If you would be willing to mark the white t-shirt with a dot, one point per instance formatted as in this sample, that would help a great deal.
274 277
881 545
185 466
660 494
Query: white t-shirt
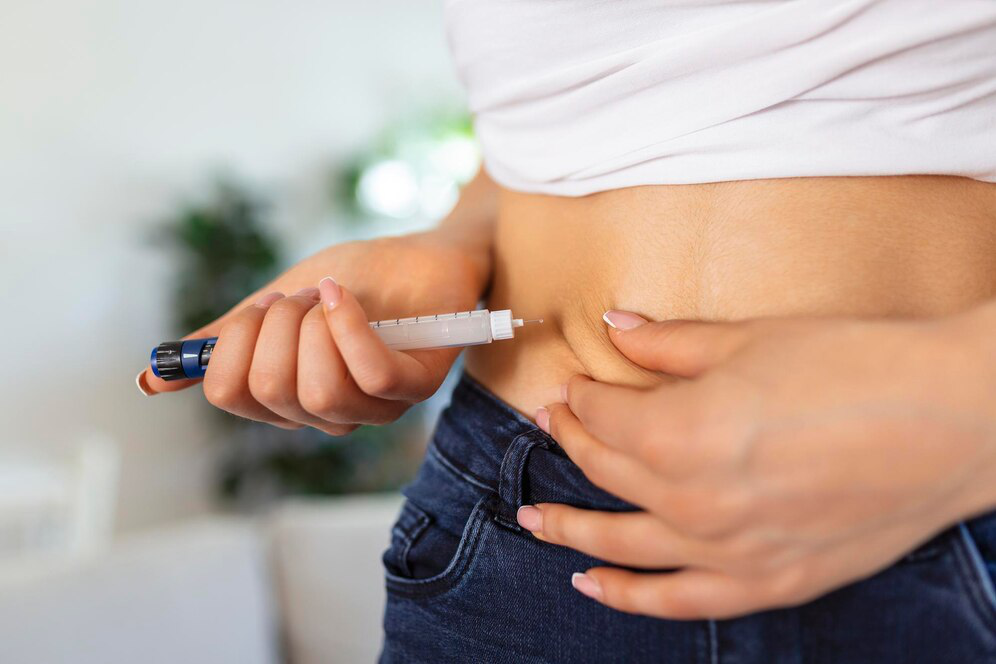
572 97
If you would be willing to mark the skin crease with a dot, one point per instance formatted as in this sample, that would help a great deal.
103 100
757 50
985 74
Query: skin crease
898 247
722 462
866 247
293 361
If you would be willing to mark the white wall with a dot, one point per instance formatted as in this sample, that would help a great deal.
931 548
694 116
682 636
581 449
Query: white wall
113 110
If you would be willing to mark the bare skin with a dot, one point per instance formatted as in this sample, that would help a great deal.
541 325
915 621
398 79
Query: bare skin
911 252
905 246
796 455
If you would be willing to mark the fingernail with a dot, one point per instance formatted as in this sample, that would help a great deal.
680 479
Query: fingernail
586 585
563 392
311 292
543 419
143 387
530 518
268 299
330 291
623 320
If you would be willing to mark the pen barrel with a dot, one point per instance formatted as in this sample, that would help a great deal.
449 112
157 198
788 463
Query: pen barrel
189 358
182 360
466 328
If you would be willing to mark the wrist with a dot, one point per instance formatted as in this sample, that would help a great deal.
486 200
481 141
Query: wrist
464 249
470 227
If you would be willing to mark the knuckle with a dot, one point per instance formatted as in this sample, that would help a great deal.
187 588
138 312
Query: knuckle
285 306
575 390
553 524
555 423
320 399
378 383
269 389
222 394
318 403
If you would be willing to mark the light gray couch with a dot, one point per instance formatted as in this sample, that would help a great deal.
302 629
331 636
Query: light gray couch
303 585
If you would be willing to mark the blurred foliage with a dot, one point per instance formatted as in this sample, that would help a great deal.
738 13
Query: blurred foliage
263 466
223 252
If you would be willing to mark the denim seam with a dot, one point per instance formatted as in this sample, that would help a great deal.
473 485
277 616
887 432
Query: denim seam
971 561
713 643
511 471
449 465
449 577
420 527
407 536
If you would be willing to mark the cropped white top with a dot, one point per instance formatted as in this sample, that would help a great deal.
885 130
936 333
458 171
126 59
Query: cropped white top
572 97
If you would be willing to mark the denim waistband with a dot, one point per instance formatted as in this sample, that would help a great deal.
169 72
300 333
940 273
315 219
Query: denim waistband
491 445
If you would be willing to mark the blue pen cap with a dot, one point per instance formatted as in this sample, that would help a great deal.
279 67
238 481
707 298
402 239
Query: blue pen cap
182 360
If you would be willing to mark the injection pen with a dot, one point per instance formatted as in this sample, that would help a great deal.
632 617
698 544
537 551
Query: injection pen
180 360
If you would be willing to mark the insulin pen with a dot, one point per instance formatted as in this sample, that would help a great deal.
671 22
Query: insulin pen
180 360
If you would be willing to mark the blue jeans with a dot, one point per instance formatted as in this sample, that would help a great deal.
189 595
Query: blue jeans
466 584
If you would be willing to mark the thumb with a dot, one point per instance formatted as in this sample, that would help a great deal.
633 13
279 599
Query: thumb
676 347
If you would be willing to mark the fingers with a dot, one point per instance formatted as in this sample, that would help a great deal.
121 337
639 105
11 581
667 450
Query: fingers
279 362
610 469
376 369
679 348
226 384
619 416
635 539
690 594
151 385
324 387
273 374
655 425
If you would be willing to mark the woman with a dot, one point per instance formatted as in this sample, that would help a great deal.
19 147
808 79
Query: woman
703 161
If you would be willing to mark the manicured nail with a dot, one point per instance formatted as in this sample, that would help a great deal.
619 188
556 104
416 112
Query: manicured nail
623 320
543 419
586 585
331 293
530 518
563 392
268 299
311 292
143 387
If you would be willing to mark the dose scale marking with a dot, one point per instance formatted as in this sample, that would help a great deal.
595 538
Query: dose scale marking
181 360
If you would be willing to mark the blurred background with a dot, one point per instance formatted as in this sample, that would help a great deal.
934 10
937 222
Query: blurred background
157 162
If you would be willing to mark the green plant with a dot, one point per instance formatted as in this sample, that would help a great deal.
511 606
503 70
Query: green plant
223 253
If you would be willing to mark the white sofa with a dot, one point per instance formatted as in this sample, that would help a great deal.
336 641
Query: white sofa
301 585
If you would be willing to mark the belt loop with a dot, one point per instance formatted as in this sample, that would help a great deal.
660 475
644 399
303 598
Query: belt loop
511 475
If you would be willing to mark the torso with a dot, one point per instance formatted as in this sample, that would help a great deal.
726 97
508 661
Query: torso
886 246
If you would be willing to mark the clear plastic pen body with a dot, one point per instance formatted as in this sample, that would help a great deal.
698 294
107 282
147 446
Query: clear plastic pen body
189 358
465 328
